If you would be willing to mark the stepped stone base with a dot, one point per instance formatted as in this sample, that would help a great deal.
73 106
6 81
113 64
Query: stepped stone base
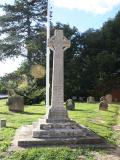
42 133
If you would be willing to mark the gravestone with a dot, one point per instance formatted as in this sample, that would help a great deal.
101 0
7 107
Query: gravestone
90 99
70 104
2 123
56 128
108 98
16 103
103 104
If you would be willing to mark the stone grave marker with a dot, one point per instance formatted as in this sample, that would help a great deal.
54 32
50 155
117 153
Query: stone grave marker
70 104
103 104
2 123
16 103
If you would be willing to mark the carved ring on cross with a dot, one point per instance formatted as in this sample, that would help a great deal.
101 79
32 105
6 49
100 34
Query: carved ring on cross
58 38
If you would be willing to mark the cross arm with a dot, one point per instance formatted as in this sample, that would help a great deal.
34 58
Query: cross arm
51 43
66 44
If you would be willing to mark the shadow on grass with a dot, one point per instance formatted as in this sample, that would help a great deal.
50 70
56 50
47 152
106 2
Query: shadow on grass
35 105
81 110
9 113
10 127
39 105
32 113
28 113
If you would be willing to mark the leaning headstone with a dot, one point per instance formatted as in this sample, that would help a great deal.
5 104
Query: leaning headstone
103 104
70 105
16 103
108 98
56 128
2 123
90 99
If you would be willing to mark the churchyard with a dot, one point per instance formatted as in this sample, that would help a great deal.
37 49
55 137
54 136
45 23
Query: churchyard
86 132
82 72
101 122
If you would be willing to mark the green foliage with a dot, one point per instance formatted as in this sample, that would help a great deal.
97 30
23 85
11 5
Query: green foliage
33 90
50 154
91 63
2 88
95 61
24 24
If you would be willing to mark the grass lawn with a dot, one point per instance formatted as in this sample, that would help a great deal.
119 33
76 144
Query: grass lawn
87 114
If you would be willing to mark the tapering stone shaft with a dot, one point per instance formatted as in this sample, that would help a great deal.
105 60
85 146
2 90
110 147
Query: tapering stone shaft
58 44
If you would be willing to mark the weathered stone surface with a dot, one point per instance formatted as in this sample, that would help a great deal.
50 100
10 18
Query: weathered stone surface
16 103
2 123
59 130
58 44
24 137
103 106
70 104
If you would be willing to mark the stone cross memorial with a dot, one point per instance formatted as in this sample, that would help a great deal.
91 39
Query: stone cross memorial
55 128
58 44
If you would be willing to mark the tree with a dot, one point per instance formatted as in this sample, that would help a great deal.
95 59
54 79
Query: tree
91 63
17 83
100 58
23 26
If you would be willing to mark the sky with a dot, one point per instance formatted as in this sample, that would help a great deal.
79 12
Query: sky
83 14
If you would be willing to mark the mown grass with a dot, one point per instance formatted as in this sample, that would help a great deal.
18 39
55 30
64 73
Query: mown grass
15 120
100 122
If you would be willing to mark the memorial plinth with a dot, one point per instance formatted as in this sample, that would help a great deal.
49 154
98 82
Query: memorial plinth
56 128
